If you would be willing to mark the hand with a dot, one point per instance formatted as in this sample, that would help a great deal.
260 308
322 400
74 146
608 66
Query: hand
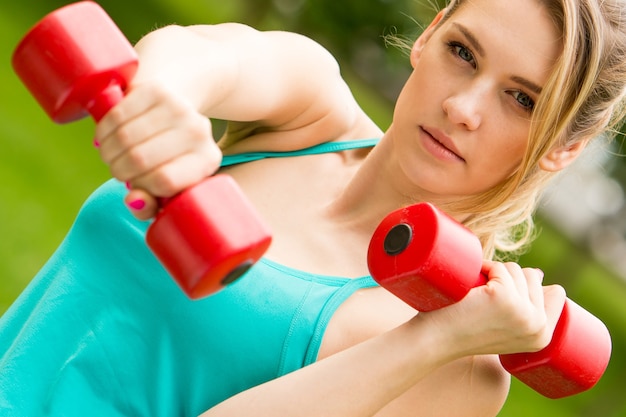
158 144
512 313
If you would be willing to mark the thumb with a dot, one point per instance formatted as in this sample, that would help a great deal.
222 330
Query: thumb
141 204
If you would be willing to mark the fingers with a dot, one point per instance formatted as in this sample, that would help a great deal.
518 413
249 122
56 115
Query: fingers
130 130
555 298
535 289
536 307
172 177
156 143
512 277
166 154
137 102
150 119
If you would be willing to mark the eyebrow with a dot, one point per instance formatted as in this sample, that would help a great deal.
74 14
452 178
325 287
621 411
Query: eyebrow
528 84
481 51
470 38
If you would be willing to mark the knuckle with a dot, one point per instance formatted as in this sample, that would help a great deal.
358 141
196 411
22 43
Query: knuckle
158 90
116 115
106 156
216 162
200 166
207 166
178 109
197 133
137 159
540 341
513 267
124 136
534 273
558 290
118 174
213 149
174 105
202 127
165 184
537 333
529 271
544 339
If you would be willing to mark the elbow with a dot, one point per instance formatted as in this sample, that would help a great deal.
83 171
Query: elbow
491 384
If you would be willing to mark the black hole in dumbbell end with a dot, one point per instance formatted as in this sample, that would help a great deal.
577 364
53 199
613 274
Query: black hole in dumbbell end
237 272
398 239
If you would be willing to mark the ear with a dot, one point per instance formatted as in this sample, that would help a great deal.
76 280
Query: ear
419 44
562 156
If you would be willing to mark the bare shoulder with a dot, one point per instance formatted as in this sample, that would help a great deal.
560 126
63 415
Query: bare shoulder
470 387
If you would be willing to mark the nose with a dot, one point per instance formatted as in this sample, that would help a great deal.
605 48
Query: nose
465 107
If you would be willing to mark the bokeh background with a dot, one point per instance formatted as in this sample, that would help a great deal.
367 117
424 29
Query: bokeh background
47 170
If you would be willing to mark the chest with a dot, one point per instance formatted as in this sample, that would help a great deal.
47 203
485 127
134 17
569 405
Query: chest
293 195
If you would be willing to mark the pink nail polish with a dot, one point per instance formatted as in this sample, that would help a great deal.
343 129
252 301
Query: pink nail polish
137 204
128 187
96 143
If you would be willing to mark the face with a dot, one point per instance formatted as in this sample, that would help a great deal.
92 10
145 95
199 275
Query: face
462 121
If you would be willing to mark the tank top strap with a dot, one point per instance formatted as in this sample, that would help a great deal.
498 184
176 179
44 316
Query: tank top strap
332 304
327 147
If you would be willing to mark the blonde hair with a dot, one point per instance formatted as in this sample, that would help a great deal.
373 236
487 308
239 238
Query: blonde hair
583 99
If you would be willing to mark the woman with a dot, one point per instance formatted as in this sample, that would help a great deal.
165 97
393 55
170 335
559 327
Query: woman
502 95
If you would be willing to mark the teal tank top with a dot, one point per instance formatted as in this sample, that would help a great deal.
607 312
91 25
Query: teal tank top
103 330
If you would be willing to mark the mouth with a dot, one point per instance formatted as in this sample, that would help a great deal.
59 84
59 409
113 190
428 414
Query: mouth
440 145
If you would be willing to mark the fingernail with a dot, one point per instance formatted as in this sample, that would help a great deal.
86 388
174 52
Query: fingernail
128 187
96 143
137 204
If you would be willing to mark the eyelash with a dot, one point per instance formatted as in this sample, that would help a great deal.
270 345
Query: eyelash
457 49
527 103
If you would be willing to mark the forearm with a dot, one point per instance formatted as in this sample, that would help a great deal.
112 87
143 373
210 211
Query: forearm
359 381
234 72
509 314
193 66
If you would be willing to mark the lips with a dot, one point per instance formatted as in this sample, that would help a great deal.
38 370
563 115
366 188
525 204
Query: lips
443 141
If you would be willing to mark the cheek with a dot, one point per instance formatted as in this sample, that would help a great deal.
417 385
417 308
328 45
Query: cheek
505 155
434 76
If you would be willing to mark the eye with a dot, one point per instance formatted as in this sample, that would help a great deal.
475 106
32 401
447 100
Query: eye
523 100
461 51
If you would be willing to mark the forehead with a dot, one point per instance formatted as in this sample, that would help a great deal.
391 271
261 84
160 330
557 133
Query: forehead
520 32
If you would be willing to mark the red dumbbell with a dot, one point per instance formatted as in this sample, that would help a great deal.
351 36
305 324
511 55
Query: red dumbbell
76 62
430 261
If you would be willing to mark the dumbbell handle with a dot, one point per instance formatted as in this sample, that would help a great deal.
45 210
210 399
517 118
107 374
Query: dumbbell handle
430 261
104 101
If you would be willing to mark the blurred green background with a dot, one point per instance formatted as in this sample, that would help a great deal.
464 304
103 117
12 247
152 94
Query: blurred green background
47 170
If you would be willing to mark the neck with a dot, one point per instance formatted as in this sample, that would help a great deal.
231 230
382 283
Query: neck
373 191
378 188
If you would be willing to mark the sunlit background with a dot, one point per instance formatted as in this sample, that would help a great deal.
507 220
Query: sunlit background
47 170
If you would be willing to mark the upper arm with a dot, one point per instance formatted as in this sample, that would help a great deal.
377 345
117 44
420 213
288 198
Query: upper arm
474 386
